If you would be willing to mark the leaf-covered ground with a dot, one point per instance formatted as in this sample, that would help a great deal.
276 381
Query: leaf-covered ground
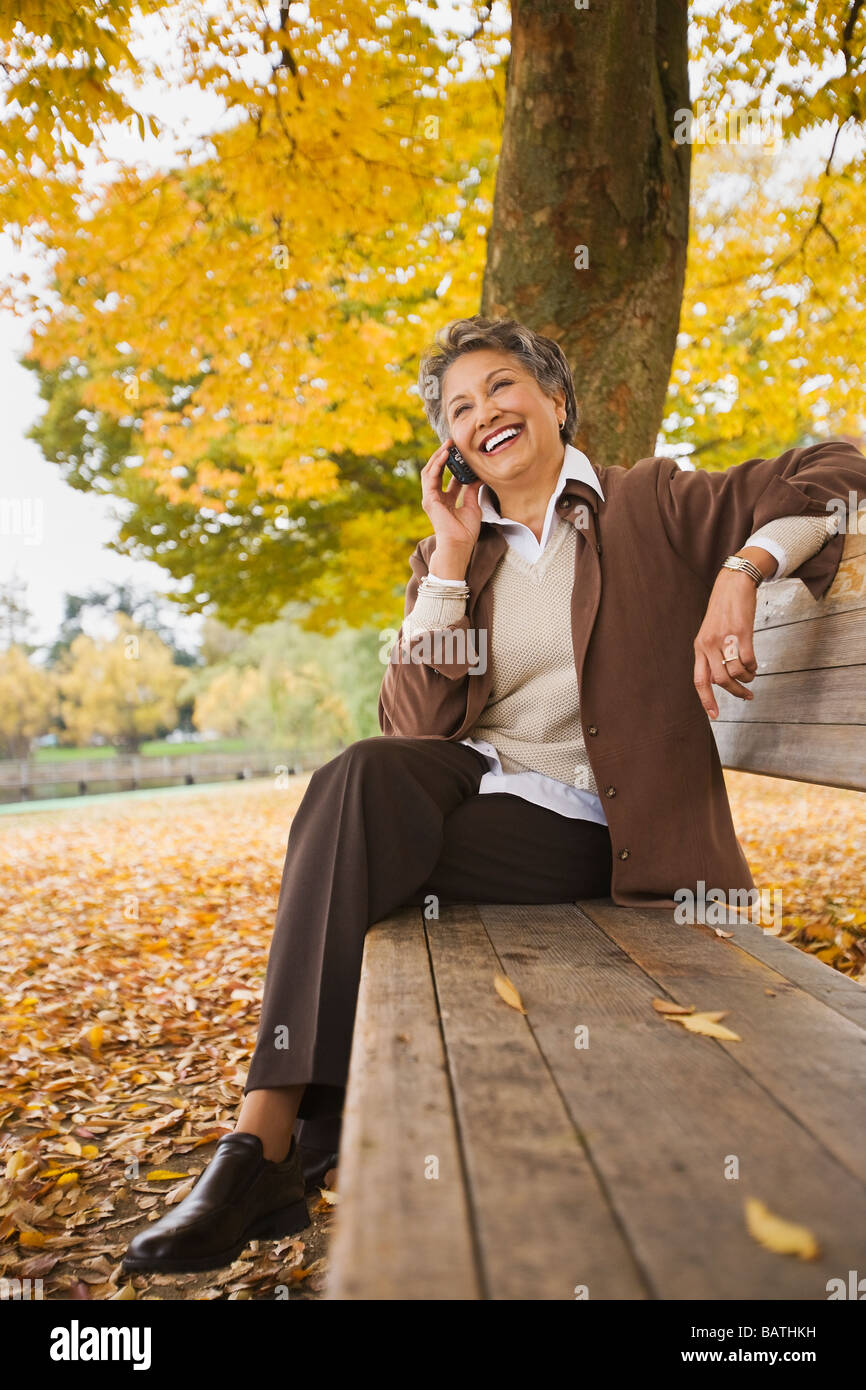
809 844
134 940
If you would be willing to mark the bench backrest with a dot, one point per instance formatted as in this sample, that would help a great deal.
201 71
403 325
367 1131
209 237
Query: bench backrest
808 718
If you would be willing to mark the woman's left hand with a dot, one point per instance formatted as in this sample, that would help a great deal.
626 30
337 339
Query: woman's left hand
727 631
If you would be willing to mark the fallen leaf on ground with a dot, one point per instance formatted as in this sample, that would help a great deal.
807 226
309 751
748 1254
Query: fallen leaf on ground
124 1295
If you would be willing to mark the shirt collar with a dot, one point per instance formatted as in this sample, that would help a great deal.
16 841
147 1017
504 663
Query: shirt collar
576 467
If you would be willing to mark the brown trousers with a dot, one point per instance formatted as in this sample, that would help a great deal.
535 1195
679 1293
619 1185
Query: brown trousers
383 824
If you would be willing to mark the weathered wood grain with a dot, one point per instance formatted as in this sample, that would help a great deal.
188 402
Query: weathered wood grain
835 695
832 755
789 601
398 1233
662 1111
542 1218
834 639
811 1059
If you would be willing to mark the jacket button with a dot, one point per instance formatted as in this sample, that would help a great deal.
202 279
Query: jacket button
623 854
593 729
610 791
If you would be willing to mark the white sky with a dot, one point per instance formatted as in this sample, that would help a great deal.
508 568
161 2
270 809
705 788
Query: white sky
52 536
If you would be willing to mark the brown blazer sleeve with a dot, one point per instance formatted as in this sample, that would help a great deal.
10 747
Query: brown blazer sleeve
708 516
424 690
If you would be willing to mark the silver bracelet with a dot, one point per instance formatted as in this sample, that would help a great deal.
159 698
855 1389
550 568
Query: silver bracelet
739 562
429 585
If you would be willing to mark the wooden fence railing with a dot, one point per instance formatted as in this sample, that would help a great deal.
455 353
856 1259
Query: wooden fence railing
23 779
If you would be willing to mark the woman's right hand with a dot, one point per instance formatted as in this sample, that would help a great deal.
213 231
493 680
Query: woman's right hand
457 529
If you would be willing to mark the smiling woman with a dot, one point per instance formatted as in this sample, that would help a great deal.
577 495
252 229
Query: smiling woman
499 391
588 723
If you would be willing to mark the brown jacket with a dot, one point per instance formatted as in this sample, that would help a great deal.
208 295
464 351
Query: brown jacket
646 560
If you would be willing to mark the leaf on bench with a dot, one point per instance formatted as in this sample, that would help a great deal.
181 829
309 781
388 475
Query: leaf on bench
706 1024
667 1006
777 1234
506 990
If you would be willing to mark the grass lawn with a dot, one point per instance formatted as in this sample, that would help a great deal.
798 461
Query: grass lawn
151 749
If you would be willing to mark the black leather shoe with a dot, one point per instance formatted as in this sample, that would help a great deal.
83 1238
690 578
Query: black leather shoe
315 1164
240 1196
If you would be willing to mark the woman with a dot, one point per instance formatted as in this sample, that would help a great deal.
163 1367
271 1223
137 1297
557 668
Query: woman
505 779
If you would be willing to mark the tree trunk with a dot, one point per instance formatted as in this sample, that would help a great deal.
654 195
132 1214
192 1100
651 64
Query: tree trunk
588 160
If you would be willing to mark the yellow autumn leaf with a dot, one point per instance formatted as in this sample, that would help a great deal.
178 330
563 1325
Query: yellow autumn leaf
66 1179
505 989
123 1295
95 1036
667 1006
90 1151
706 1024
776 1234
31 1238
16 1162
163 1175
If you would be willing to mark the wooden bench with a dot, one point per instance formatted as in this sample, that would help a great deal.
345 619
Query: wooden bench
486 1155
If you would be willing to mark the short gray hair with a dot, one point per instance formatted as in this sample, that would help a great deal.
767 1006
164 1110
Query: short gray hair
539 355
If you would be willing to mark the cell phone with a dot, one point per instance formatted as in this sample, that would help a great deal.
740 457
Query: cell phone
459 467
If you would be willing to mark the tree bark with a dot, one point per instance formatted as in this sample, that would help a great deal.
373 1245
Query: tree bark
588 159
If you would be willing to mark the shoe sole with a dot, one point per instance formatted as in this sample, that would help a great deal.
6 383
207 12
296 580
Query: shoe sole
285 1222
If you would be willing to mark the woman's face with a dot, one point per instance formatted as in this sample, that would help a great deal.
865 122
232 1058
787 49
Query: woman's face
487 391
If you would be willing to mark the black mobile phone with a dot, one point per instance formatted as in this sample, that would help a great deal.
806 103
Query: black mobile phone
459 467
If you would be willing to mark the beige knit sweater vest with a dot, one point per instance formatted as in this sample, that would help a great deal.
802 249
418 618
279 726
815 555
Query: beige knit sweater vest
532 716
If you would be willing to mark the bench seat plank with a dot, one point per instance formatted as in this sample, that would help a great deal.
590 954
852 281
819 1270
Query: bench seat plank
398 1234
541 1215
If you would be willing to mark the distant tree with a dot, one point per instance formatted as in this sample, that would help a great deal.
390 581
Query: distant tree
28 699
283 684
273 704
123 689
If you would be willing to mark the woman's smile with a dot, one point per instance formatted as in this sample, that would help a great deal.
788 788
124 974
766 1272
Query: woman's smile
506 443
